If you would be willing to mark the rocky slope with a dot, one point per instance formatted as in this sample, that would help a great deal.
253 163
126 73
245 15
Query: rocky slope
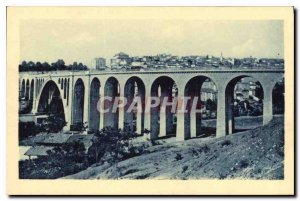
252 154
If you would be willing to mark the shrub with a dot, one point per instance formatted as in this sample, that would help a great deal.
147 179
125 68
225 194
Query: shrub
178 157
111 145
28 107
226 143
244 163
184 168
54 123
27 129
204 149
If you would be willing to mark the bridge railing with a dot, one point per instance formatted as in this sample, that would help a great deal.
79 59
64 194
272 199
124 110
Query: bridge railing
151 70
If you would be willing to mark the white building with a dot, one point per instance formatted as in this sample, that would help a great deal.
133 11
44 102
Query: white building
99 63
120 60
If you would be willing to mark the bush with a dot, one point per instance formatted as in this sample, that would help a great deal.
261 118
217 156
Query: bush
226 143
54 123
184 168
256 112
60 162
244 164
178 157
204 149
111 145
28 107
27 129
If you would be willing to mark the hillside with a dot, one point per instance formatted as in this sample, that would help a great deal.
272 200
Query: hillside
255 154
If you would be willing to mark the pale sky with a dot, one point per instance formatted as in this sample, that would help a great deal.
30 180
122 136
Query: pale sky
83 40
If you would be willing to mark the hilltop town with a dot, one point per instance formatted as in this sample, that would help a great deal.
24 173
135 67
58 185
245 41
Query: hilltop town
123 61
160 61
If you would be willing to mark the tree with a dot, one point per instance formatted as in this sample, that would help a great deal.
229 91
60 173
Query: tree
112 145
59 65
38 66
30 66
23 66
54 123
211 105
27 129
46 66
74 151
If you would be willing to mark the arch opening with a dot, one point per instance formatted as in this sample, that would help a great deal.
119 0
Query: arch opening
31 90
78 103
243 104
68 91
27 90
164 118
112 90
201 107
65 88
25 101
94 118
278 98
23 89
50 102
134 93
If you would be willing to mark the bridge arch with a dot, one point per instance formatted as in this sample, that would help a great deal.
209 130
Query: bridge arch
94 114
27 89
23 88
39 83
202 103
31 90
68 91
78 102
237 105
65 88
50 101
163 119
111 90
134 92
278 99
62 83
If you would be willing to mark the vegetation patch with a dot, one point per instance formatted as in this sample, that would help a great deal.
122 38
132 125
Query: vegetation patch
226 143
244 164
178 157
184 168
109 146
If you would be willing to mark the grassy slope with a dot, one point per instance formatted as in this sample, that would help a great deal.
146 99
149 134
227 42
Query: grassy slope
255 154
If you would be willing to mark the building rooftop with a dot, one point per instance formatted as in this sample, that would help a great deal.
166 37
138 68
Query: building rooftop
52 138
38 151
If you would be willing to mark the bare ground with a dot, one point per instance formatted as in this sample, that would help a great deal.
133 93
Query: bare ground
251 154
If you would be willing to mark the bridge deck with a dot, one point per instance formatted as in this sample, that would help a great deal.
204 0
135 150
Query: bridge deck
154 71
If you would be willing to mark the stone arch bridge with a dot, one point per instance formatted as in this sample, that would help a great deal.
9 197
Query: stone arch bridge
80 91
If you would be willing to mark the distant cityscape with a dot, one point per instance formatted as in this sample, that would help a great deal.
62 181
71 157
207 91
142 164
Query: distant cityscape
123 61
160 61
247 90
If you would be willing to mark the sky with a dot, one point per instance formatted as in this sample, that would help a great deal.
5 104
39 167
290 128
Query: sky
83 40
